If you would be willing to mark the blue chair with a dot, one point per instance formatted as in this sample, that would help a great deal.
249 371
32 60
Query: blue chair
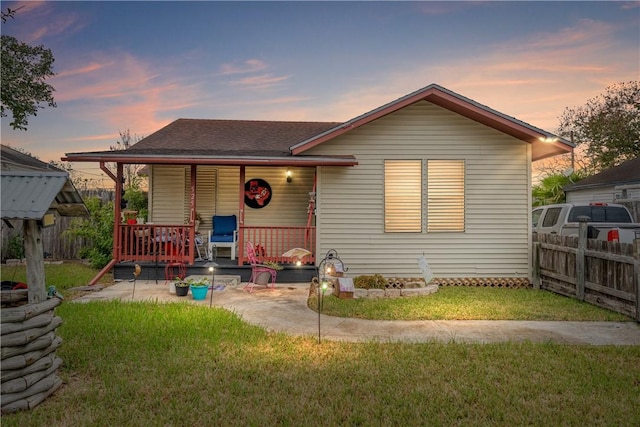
224 234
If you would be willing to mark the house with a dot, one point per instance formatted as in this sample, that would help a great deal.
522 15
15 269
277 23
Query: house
619 184
432 173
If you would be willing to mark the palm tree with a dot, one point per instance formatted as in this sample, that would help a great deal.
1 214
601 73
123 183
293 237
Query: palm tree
549 191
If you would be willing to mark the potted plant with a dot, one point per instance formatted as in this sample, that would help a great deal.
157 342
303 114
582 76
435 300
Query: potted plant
130 216
263 277
199 288
182 287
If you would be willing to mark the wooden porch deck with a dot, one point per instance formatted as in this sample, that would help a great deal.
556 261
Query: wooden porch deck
153 246
224 266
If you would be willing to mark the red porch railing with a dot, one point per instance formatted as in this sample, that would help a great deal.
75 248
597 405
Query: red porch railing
273 241
157 242
165 243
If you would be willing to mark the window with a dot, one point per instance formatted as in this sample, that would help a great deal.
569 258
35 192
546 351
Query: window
403 201
403 196
535 217
445 195
551 217
599 214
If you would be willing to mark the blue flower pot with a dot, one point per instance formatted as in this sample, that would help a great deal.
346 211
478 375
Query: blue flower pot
199 292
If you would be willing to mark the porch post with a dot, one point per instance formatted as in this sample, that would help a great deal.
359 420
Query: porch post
241 215
192 214
117 223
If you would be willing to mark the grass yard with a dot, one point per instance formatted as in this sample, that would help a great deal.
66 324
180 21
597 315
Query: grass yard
133 364
62 276
469 303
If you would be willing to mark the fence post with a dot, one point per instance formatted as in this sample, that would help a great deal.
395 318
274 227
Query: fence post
580 259
636 272
536 265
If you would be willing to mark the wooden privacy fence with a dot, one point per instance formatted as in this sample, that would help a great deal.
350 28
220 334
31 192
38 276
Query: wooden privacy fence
606 274
54 243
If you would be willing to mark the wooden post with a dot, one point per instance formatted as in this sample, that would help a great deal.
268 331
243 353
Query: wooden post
192 213
240 245
34 252
636 273
580 258
117 245
536 265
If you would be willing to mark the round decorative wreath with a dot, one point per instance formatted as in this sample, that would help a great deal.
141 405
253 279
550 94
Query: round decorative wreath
257 193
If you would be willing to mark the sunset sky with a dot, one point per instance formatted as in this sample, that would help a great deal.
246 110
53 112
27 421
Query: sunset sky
141 65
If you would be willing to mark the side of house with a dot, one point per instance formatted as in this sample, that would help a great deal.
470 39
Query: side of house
429 182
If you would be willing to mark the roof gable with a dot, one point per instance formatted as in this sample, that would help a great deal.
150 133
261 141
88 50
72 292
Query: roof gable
544 143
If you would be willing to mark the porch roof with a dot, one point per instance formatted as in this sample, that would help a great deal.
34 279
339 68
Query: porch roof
222 142
190 157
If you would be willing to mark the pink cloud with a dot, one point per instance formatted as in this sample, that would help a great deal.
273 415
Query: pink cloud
263 81
248 66
43 22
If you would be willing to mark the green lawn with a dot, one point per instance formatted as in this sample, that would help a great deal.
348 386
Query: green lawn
469 303
62 276
132 364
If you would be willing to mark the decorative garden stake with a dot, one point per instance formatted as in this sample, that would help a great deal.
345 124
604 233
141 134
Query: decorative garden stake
325 266
136 272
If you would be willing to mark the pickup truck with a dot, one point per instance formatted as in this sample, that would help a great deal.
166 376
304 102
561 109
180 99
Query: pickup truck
606 221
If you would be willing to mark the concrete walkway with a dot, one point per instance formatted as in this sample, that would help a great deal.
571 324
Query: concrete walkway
284 309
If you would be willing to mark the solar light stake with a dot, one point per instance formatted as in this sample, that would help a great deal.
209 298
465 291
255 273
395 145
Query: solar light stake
325 266
213 273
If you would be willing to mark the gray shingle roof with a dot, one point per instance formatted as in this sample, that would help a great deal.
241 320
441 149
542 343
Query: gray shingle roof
229 137
625 173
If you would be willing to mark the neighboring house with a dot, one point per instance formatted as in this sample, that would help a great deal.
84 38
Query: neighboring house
432 173
619 184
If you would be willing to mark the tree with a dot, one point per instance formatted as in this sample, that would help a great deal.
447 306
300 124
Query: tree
130 172
24 70
608 126
549 190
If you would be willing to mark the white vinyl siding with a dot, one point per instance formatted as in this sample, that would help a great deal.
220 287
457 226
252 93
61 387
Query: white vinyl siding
217 192
445 195
350 218
168 196
207 179
403 196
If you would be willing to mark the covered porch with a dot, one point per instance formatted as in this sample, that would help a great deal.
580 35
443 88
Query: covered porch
181 215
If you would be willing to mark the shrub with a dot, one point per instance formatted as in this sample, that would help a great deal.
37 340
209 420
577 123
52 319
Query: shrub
370 282
98 230
15 247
